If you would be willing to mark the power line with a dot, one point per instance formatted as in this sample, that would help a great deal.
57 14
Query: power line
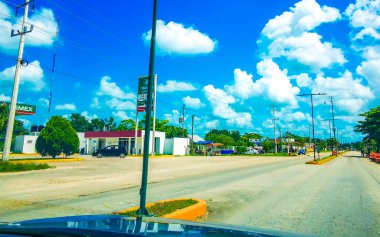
87 22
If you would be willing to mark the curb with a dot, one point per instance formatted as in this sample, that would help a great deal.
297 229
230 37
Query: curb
190 213
321 162
155 157
46 160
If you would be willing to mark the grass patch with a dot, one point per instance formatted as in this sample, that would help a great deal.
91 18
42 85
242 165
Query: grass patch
17 167
39 158
163 208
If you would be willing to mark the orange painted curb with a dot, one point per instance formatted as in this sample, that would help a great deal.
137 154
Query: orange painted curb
190 213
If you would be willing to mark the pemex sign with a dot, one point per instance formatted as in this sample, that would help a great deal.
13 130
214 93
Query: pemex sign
21 109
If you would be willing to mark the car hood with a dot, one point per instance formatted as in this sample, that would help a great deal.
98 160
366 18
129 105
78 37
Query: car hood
115 225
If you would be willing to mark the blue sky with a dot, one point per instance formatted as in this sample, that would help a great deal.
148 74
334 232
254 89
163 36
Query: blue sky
228 61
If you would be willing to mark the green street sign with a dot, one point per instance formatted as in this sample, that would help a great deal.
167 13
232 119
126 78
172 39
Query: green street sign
142 93
21 109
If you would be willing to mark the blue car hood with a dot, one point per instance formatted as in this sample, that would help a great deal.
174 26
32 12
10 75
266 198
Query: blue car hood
115 225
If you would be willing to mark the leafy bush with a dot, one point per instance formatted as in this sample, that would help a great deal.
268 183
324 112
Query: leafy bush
15 167
58 136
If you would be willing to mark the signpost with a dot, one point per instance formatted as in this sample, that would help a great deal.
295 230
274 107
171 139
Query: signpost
21 109
142 95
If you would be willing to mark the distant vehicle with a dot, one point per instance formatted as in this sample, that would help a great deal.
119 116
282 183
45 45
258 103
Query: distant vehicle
302 152
113 150
252 152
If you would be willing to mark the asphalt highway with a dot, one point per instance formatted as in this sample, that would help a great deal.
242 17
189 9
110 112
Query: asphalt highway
339 198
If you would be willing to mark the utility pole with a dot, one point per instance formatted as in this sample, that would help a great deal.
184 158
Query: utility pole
183 120
312 114
280 139
333 119
274 127
20 62
192 134
53 69
142 211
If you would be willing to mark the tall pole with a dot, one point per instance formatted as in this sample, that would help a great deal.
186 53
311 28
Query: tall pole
312 115
53 69
144 180
274 127
183 120
136 128
312 122
16 82
154 117
333 119
192 134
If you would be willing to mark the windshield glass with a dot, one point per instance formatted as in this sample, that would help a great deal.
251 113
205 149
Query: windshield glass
261 114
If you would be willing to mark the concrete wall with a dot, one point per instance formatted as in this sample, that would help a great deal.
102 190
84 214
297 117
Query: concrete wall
25 144
177 146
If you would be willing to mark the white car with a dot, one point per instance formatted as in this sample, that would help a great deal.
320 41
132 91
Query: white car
252 152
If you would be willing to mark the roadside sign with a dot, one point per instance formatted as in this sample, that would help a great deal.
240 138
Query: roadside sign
21 109
142 94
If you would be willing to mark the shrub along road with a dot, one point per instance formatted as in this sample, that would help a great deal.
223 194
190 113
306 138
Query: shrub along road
340 198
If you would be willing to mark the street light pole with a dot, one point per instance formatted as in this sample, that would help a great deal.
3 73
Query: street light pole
142 211
312 115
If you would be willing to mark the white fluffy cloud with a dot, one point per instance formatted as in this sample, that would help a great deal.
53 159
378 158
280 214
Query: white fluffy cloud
274 84
303 80
108 88
88 116
243 86
349 93
4 97
365 18
213 124
220 102
32 76
121 115
120 104
43 102
43 34
369 68
69 106
194 103
113 96
288 35
95 103
174 38
172 86
173 117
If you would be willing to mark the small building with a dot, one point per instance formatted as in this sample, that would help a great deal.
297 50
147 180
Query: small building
25 144
101 139
177 146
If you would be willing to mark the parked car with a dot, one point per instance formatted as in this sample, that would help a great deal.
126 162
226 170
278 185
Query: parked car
301 152
252 152
113 150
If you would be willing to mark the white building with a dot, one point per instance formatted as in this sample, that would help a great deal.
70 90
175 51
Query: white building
101 139
25 144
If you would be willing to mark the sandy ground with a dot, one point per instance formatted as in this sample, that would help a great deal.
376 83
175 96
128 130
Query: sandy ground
340 198
74 179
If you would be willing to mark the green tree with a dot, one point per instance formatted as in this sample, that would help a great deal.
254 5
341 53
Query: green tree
370 127
18 127
58 136
80 123
126 125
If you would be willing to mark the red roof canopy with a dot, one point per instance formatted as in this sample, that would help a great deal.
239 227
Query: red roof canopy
116 134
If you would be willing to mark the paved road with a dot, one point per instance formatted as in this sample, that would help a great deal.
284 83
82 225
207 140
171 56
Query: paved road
340 198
